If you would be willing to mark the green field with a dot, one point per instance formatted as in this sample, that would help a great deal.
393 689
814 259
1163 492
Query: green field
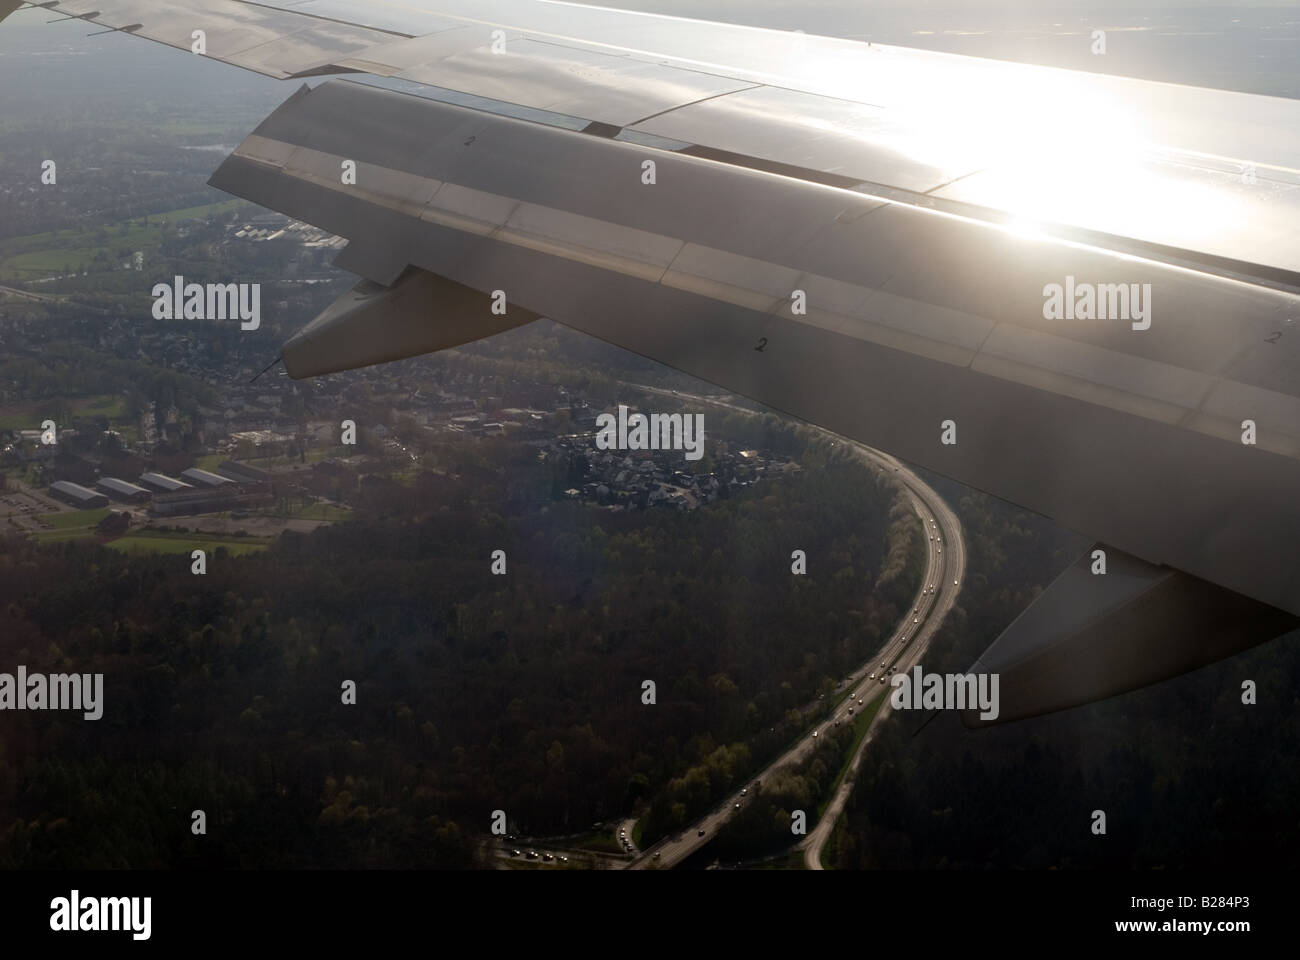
205 212
601 841
64 536
28 416
166 541
41 255
107 406
314 455
184 544
75 519
324 511
71 525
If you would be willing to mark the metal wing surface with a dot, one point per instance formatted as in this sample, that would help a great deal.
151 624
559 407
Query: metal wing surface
887 224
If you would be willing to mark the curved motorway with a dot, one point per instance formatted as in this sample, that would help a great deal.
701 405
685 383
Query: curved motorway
945 569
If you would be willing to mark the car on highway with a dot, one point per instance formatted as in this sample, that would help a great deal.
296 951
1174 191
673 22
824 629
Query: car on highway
883 678
532 854
656 854
916 620
548 857
701 833
514 853
737 807
562 859
814 734
744 791
873 676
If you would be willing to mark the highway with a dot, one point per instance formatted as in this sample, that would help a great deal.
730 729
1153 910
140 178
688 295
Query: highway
950 569
944 570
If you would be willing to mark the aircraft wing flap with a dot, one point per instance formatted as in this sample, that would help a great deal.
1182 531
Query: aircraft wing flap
1112 623
698 270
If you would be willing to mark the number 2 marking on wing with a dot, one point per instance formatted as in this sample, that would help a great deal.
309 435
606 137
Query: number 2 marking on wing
762 342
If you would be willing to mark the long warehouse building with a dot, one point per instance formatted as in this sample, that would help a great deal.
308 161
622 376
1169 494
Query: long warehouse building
161 483
122 490
74 494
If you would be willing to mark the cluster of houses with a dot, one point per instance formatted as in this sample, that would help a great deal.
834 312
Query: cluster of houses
641 479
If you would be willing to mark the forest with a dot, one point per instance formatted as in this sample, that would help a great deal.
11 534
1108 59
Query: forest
1188 776
474 692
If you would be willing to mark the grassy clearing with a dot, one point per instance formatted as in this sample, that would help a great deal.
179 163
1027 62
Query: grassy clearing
325 511
56 253
600 842
28 415
76 519
65 536
105 406
205 212
145 542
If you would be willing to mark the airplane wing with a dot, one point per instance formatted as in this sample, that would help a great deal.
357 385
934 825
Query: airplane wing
1077 292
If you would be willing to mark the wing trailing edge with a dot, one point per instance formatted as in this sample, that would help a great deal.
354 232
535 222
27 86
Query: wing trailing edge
1090 636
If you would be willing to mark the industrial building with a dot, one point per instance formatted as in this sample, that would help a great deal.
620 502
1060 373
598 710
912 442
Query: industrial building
160 483
122 491
76 495
212 500
243 472
204 478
